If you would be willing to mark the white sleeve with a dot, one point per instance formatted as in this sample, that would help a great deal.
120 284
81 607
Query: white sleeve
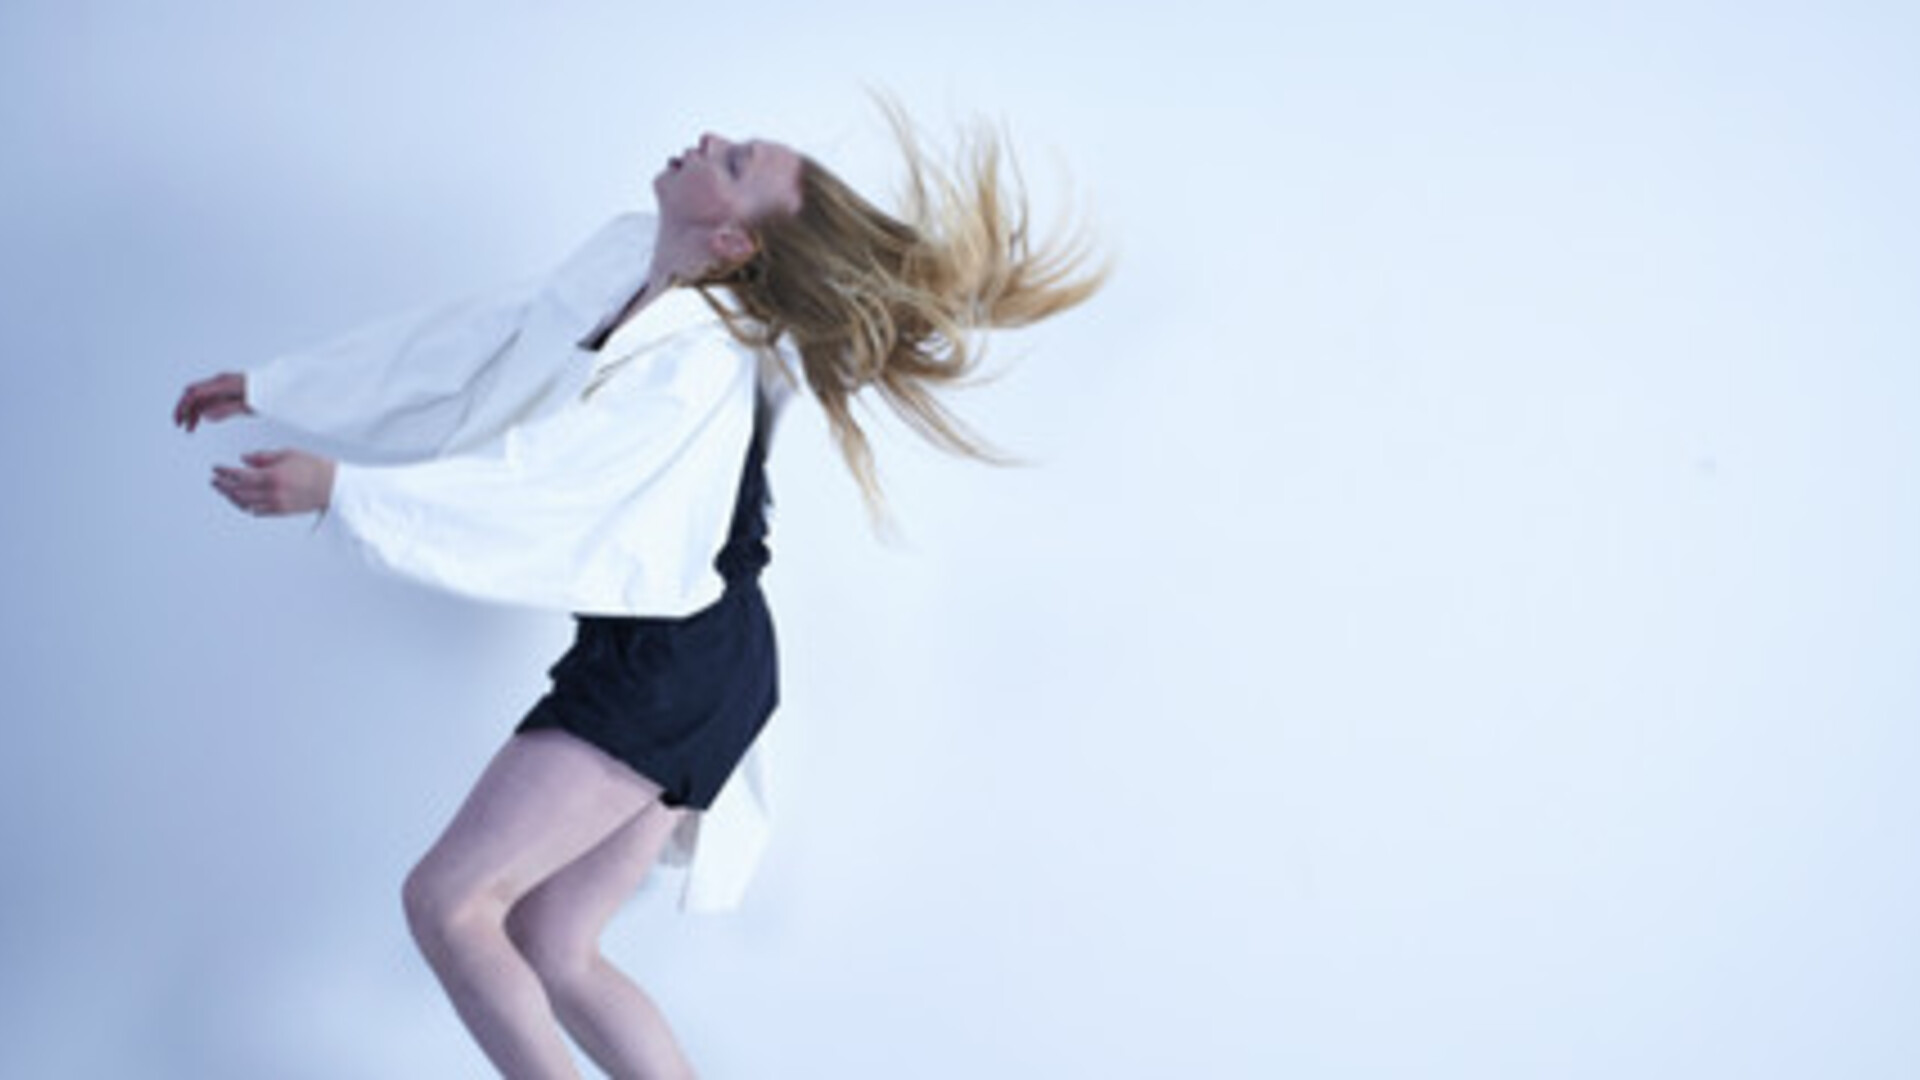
543 515
401 386
396 385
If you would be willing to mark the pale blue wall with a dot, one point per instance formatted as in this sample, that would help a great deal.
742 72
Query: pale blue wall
1463 623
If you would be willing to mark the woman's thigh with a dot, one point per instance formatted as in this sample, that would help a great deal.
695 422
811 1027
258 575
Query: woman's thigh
546 799
568 910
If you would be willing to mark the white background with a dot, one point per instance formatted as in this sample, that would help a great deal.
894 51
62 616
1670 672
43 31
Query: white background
1462 620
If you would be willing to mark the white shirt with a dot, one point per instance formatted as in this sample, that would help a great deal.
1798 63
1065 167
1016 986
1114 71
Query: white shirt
547 475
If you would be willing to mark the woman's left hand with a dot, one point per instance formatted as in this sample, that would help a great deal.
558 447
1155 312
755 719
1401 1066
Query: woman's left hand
277 482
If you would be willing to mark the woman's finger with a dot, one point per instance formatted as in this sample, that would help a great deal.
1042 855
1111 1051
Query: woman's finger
246 500
216 398
256 503
227 492
191 396
248 482
278 481
188 408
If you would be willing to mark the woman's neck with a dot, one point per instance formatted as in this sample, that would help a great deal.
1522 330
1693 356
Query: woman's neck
679 255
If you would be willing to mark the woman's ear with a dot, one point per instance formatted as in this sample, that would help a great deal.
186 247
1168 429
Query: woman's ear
731 244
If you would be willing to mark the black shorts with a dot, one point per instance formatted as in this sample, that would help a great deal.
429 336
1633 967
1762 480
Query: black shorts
678 699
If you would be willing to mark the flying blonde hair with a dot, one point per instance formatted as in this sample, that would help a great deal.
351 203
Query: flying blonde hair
871 299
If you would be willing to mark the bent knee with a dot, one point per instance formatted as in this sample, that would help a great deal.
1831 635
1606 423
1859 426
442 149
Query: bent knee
441 912
558 949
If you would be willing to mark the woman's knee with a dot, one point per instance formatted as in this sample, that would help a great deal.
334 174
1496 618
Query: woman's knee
442 913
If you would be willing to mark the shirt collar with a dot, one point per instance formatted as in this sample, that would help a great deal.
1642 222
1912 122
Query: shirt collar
665 316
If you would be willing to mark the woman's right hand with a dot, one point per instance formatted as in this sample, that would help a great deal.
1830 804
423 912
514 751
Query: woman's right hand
217 398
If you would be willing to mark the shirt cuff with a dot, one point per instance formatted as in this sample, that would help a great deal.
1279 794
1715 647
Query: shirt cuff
333 518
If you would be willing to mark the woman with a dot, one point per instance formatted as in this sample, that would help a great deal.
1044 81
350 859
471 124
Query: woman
593 442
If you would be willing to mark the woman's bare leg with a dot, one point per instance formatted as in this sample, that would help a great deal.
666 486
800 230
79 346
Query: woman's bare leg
546 799
557 928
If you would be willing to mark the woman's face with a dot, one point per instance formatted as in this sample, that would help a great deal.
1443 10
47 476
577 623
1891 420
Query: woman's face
718 183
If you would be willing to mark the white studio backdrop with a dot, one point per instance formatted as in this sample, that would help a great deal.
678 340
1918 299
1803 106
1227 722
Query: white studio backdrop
1461 620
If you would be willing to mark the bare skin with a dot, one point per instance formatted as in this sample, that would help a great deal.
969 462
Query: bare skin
508 907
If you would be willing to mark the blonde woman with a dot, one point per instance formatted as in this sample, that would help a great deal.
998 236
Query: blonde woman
593 442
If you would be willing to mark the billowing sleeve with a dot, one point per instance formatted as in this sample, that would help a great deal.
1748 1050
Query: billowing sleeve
405 385
395 386
615 502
